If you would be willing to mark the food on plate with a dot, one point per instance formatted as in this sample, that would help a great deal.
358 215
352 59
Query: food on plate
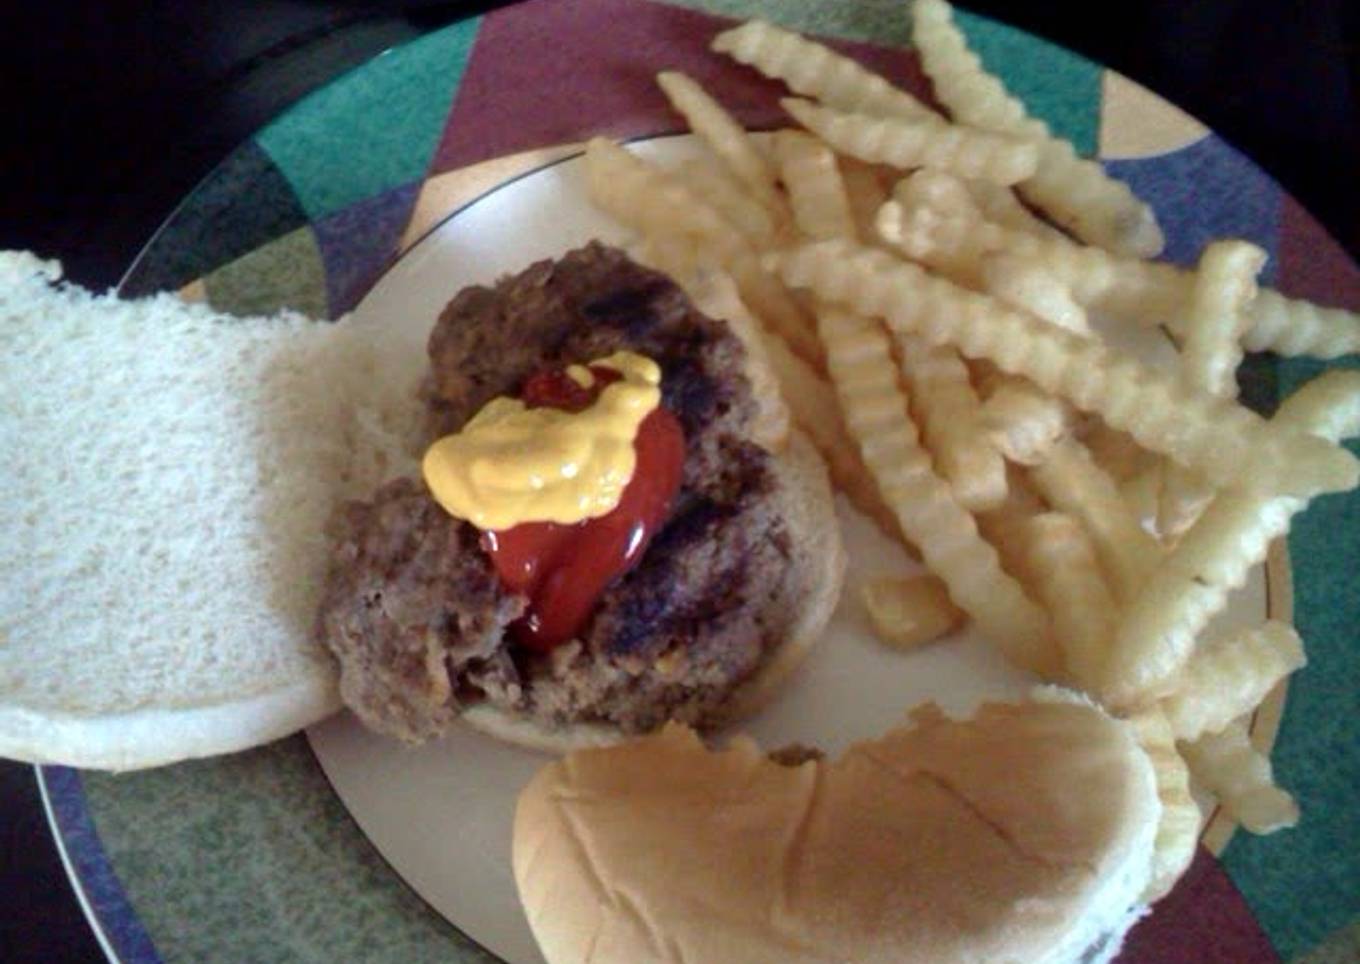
1179 823
915 846
1061 568
1215 321
911 611
943 403
1035 494
814 70
727 138
1074 191
865 378
908 144
1230 444
687 596
817 194
170 474
1227 677
1241 778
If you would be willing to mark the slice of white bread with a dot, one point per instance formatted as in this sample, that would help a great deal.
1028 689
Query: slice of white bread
167 480
1022 835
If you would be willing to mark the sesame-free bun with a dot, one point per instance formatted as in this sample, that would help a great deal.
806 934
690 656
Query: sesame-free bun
1022 835
168 478
797 616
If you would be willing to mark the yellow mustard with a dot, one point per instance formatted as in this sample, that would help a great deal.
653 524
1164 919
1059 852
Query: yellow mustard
511 464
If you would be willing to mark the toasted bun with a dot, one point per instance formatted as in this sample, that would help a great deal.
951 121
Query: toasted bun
798 615
163 522
1023 835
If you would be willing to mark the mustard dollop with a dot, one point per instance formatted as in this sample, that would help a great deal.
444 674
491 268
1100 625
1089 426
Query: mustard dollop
512 464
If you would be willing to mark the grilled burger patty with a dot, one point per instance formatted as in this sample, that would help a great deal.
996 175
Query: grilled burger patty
417 616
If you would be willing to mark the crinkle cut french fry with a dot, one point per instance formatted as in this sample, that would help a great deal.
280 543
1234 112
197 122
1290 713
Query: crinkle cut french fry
865 193
1025 284
1210 353
999 205
1062 569
1178 829
860 362
1076 192
907 613
715 187
1230 444
1142 492
1024 422
1160 625
1327 406
1293 326
720 130
964 151
1228 677
814 70
715 294
1072 483
1139 292
947 410
651 200
1116 452
1225 285
813 405
821 207
1242 779
940 191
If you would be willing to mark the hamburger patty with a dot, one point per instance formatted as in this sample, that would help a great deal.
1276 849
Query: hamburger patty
413 608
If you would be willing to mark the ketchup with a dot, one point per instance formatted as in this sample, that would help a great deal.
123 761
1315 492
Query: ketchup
564 568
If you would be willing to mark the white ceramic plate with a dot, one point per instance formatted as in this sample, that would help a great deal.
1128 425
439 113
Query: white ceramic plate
441 814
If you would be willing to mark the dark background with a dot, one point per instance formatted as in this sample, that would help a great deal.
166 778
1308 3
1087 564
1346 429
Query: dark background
114 109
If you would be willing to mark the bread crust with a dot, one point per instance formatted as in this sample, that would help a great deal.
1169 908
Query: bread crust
1024 834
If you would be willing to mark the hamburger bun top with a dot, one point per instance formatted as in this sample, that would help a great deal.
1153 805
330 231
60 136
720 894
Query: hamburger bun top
1024 834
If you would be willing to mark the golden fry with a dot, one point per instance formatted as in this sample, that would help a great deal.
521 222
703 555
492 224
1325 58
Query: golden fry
821 206
1228 443
907 613
814 70
1229 677
859 360
947 409
1024 422
1075 192
720 130
1210 353
1178 831
1063 571
908 143
1071 482
1242 779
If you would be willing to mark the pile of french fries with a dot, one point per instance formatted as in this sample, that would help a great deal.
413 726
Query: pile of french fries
920 286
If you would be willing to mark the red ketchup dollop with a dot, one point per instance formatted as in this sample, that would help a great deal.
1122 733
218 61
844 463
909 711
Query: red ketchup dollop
564 568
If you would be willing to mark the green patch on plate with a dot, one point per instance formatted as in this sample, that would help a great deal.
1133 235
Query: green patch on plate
371 130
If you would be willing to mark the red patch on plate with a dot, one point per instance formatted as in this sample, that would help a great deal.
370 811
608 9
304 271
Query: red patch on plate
1205 920
1312 264
556 71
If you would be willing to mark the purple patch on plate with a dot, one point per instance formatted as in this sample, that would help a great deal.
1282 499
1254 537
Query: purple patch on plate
552 73
358 243
1205 920
1205 191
